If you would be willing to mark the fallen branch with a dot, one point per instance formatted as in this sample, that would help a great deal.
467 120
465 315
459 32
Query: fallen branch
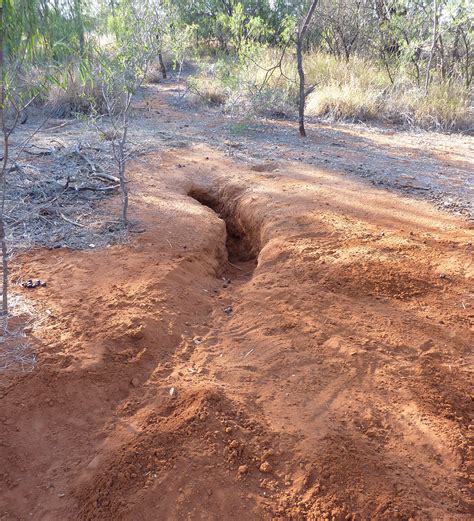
71 222
108 177
42 151
60 143
63 191
62 125
97 188
88 161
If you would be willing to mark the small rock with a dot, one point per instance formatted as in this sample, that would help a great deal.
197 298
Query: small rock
228 430
173 392
228 310
428 344
265 467
135 381
267 454
243 469
137 333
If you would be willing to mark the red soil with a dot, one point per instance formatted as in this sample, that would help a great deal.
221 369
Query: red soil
336 387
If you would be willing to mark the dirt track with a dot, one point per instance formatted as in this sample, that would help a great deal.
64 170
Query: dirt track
322 373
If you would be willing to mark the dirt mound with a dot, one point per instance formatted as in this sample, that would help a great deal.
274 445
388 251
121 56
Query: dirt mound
378 278
177 448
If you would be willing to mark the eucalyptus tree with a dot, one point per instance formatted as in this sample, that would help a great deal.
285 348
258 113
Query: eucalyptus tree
18 31
25 40
300 37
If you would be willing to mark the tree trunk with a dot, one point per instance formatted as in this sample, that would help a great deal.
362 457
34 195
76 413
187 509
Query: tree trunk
433 46
302 97
3 170
162 65
4 271
299 57
79 24
122 161
124 190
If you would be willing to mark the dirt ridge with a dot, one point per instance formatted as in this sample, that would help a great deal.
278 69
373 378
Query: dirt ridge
323 374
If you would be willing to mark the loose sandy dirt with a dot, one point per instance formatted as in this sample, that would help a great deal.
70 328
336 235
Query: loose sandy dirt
279 342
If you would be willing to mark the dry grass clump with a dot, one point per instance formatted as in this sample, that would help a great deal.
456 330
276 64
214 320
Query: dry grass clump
80 96
208 89
346 102
357 90
213 93
154 75
75 97
447 107
244 88
66 95
352 91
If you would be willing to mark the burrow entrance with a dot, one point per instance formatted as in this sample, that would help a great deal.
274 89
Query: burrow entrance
241 251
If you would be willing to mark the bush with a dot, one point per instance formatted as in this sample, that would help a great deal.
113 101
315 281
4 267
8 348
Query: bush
208 90
76 96
274 100
344 90
241 87
354 90
359 90
447 107
154 74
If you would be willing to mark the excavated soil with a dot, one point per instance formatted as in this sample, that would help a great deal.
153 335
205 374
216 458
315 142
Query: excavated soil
281 344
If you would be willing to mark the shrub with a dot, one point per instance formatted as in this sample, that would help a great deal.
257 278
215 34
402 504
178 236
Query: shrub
447 107
344 90
273 100
77 96
208 90
154 74
355 90
346 102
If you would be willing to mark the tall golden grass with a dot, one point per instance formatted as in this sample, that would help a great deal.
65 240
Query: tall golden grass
357 90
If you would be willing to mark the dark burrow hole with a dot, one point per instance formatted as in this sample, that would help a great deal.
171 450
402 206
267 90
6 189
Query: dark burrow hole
239 247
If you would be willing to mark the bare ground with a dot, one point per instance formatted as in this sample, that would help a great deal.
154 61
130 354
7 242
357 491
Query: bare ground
283 340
